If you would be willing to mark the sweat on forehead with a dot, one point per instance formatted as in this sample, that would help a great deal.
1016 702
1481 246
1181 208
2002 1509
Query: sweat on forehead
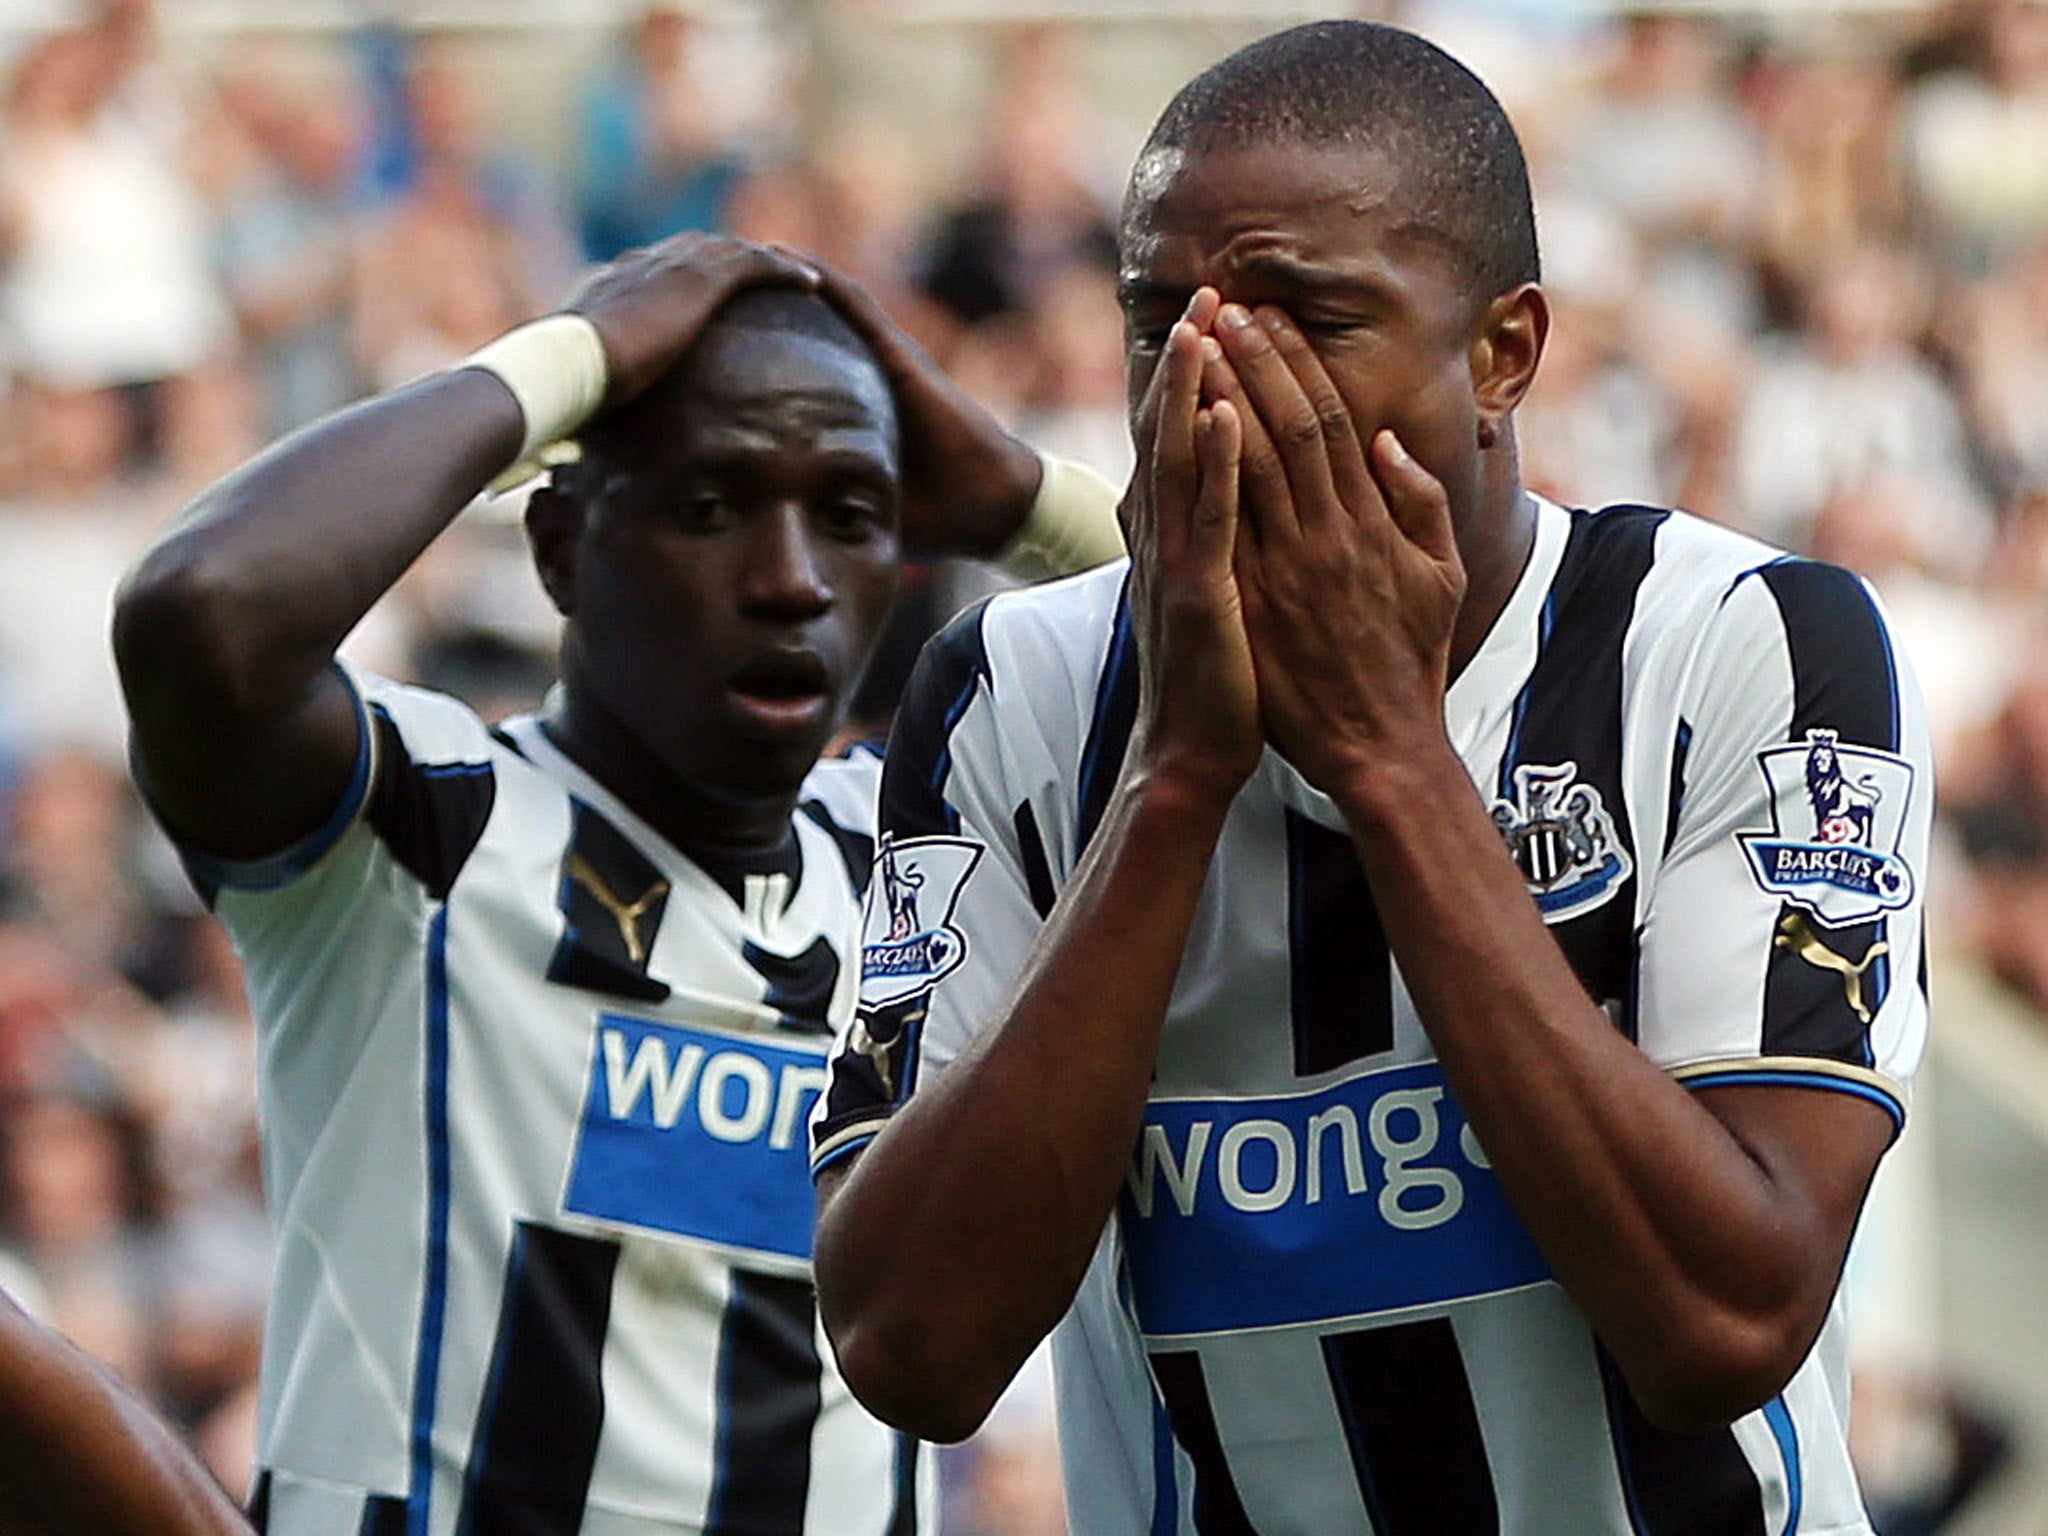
1343 84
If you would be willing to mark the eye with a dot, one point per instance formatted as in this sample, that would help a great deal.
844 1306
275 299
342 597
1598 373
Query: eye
855 515
706 510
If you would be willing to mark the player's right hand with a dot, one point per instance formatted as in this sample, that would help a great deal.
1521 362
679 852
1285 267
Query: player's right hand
651 304
1198 704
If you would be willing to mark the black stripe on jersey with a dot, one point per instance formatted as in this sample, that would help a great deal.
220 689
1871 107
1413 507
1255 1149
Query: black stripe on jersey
1811 1009
1031 853
856 849
949 671
903 1517
1678 1485
429 815
1412 1430
1219 1509
1340 980
1674 801
1570 711
259 1503
543 1408
769 1393
1109 728
383 1517
800 987
1844 680
1843 676
612 899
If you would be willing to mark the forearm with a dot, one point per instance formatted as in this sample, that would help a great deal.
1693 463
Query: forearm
265 572
78 1453
1692 1261
961 1234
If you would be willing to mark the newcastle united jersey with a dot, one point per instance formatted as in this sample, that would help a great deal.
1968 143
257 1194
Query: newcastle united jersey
534 1090
1315 1311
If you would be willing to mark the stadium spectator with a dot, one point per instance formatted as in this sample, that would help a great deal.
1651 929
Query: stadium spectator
655 160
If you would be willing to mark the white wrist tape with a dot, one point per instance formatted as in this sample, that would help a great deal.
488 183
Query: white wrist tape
555 368
1072 525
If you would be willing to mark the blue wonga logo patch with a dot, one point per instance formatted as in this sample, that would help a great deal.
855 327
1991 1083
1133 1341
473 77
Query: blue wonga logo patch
1839 859
1562 839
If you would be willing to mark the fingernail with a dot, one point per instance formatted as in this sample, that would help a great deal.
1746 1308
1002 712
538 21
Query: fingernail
1236 316
1273 320
1212 350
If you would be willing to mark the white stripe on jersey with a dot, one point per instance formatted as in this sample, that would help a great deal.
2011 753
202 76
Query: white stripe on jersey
1638 719
534 1090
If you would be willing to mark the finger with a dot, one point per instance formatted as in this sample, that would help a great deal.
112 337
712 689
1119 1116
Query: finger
1415 499
1266 495
1279 401
895 349
1173 442
1219 439
1341 442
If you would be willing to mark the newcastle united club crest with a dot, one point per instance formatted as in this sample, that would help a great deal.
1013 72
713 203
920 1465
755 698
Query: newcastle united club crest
1846 807
1562 839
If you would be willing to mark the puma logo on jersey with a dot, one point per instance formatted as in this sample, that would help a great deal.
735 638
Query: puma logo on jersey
626 914
1797 935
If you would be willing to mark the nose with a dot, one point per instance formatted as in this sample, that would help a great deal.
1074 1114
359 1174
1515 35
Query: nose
783 574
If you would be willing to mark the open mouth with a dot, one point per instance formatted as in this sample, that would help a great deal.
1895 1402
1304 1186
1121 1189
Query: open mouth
789 686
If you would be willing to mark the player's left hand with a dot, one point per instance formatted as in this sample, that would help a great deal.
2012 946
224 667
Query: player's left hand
967 482
1350 575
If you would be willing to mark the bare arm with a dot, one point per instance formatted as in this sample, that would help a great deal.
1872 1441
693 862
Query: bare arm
1702 1234
931 1300
79 1454
224 633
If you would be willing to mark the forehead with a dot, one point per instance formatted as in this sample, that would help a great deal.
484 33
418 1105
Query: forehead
1226 213
740 374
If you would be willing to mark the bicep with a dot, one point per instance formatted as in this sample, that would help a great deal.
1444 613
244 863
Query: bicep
242 785
1820 1151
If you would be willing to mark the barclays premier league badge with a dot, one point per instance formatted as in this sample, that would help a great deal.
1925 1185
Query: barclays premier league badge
1839 857
909 944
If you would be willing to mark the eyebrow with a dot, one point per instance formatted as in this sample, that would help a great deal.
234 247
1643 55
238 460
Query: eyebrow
1306 279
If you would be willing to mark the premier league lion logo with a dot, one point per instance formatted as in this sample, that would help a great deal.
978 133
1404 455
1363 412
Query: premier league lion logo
910 943
1840 859
1842 809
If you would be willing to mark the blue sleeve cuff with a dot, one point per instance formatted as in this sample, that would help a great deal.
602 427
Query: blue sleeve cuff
213 874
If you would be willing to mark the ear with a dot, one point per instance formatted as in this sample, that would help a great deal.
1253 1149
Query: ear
554 532
1506 347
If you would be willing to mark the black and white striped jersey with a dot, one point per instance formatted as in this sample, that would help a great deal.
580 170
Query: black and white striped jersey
1315 1312
534 1088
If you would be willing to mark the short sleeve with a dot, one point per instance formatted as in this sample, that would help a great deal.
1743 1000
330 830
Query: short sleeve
957 895
1783 940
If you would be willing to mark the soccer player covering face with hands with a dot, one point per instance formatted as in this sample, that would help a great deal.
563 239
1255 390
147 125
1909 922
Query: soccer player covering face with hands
1370 977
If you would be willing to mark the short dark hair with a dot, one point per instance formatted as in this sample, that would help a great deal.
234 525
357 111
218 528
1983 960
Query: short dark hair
1332 83
790 311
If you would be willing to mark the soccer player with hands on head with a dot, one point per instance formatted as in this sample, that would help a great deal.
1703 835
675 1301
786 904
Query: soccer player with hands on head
1357 997
543 1003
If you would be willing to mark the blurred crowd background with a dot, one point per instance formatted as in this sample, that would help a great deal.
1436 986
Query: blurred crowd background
1798 255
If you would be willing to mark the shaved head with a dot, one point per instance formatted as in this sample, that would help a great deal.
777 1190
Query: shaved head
1355 83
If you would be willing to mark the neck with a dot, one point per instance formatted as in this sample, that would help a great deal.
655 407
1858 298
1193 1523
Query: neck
1495 548
708 827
